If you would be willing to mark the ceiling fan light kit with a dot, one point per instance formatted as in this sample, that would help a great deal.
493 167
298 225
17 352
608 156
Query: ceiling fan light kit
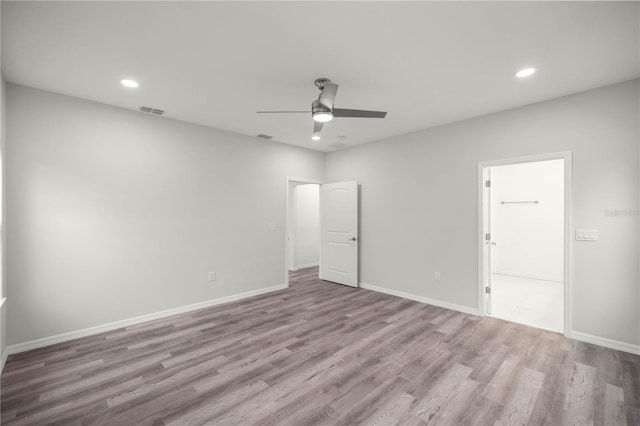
322 110
322 116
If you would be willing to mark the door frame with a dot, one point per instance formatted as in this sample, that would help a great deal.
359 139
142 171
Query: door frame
288 218
567 156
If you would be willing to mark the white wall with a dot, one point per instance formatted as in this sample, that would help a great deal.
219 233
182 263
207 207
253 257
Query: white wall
529 238
116 214
3 221
307 225
419 202
3 281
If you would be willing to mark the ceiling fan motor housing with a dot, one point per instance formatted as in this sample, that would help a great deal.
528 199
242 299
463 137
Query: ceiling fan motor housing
321 82
316 106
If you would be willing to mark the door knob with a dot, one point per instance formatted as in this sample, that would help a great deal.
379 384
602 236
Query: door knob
493 244
353 239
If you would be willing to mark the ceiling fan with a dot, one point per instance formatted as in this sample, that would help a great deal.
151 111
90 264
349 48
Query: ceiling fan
322 109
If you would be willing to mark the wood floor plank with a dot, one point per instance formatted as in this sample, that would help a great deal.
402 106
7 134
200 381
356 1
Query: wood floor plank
481 412
631 386
84 405
75 387
614 413
211 410
362 407
453 410
550 402
500 385
520 402
579 404
442 392
342 399
278 395
320 353
392 411
166 381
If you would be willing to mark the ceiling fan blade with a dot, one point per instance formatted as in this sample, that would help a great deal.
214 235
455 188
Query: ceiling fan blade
360 113
328 95
317 126
282 112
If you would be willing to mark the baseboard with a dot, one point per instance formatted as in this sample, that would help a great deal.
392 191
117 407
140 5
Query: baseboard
306 265
3 360
529 276
607 343
421 299
59 338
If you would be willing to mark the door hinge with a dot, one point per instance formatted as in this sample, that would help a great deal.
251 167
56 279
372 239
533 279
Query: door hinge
487 183
487 237
487 290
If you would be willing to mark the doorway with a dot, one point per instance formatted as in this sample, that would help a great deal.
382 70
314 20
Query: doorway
303 232
322 230
525 212
295 240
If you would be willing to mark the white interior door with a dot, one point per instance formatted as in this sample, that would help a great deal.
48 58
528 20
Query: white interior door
487 239
339 233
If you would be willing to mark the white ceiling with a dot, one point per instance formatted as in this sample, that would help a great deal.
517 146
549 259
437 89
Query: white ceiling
216 63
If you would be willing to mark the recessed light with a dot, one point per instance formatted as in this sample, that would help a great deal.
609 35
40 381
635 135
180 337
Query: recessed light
525 72
129 83
315 138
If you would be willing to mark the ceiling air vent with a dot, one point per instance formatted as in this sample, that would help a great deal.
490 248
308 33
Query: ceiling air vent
337 145
263 136
151 110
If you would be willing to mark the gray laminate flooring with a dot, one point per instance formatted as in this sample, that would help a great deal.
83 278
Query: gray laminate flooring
322 353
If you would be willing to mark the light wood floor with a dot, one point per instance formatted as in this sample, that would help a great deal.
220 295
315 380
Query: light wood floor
321 353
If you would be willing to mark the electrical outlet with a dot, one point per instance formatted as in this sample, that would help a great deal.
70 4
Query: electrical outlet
212 276
437 276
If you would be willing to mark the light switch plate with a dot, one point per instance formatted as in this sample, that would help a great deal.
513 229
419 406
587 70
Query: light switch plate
271 226
587 235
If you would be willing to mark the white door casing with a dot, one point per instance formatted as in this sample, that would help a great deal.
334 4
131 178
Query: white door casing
339 233
483 215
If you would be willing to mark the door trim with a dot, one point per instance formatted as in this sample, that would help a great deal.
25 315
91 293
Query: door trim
567 156
288 181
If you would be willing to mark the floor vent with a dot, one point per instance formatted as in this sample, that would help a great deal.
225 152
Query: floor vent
151 110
